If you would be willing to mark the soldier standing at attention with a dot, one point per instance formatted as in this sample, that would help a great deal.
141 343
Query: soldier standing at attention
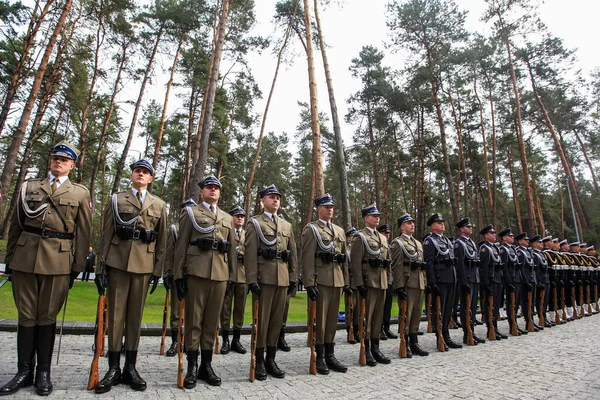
541 275
270 259
168 280
49 215
204 269
386 333
134 244
410 279
325 271
236 297
441 273
491 277
512 275
527 275
370 263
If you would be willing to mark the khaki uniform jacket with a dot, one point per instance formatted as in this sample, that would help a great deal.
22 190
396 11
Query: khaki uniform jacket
362 272
211 264
136 256
330 274
403 275
29 252
274 272
172 236
239 247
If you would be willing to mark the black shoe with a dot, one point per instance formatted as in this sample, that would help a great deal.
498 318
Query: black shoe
205 372
235 343
389 333
451 344
25 364
501 335
475 342
522 331
281 343
535 326
353 341
417 350
322 367
419 333
44 343
332 362
478 339
382 335
113 376
224 345
260 372
370 360
191 378
547 324
408 351
270 364
172 352
130 376
377 354
477 322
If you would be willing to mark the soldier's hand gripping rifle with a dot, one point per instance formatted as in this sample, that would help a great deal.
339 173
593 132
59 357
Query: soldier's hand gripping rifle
441 346
402 327
253 337
362 358
165 324
99 342
312 333
180 344
470 339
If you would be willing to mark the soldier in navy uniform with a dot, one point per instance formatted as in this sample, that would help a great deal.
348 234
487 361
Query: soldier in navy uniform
491 277
441 273
512 275
467 271
541 276
550 281
527 274
386 333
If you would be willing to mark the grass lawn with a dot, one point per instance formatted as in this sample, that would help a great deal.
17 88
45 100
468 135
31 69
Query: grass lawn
83 299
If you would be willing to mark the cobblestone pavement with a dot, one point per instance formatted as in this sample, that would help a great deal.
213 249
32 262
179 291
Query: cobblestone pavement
558 363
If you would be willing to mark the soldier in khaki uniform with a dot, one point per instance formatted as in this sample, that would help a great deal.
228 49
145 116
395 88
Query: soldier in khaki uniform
204 269
410 279
236 297
370 265
325 271
133 255
270 259
168 280
50 214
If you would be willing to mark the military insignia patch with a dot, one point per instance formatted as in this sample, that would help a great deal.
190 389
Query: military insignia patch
426 242
90 204
483 250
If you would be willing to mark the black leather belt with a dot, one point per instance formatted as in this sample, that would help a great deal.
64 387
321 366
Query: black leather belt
206 244
130 233
47 233
329 258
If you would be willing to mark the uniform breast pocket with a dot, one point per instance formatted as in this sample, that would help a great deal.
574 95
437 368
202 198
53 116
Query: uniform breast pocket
153 217
69 207
34 201
285 238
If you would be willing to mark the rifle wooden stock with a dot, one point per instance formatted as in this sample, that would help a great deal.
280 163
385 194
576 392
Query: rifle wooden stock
312 333
490 318
441 346
180 344
253 338
596 297
588 298
402 329
350 317
470 340
105 316
574 303
530 312
556 316
514 331
165 324
428 311
581 309
93 379
362 357
563 305
541 312
217 344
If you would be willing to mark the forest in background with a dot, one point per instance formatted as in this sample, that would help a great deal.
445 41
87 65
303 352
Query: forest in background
500 128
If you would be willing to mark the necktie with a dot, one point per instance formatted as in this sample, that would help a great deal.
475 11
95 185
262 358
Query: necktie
54 185
139 197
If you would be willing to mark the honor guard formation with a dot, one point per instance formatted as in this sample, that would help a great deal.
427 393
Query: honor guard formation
211 259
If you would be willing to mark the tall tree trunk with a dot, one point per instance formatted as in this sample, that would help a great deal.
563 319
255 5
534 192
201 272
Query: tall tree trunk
374 162
136 111
200 167
18 75
587 160
538 206
193 106
462 165
17 139
420 204
514 191
339 142
486 168
494 156
264 118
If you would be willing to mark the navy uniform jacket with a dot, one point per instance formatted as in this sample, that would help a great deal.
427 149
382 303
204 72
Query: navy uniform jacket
541 267
526 260
512 272
490 265
439 257
467 261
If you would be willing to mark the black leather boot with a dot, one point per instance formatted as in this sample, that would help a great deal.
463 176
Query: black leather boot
172 352
260 372
331 361
235 343
44 344
225 342
113 376
25 353
370 360
388 333
408 351
414 346
498 333
382 335
205 372
281 343
377 354
189 382
452 344
271 365
322 368
130 376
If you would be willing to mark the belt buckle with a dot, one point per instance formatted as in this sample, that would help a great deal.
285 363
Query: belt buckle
215 245
45 233
136 234
278 254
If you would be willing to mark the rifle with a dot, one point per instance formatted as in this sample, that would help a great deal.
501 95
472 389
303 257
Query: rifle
574 303
541 310
440 339
253 338
514 331
557 320
165 324
590 311
105 316
490 318
470 340
312 334
428 311
362 357
402 328
217 345
563 305
596 297
350 318
530 312
99 343
180 344
581 310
